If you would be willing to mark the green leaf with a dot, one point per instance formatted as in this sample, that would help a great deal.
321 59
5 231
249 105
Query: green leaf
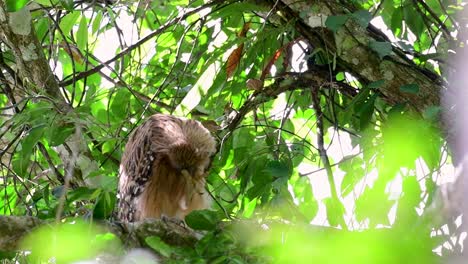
46 2
335 22
33 137
119 103
340 77
397 109
46 194
413 20
277 169
258 190
15 5
97 22
202 220
362 17
21 161
236 10
335 211
199 90
82 34
167 40
8 198
249 207
366 111
411 88
68 4
308 206
396 23
354 172
242 138
410 198
382 48
159 246
59 133
68 21
82 193
104 206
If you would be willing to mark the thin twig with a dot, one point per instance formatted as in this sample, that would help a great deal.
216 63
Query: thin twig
156 32
68 177
323 151
46 155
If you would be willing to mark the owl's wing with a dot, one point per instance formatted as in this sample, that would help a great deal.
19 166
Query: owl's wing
135 170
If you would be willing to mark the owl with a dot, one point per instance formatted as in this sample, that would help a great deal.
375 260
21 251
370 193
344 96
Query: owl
163 169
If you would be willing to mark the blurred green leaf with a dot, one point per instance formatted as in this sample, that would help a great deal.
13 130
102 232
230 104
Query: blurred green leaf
22 159
82 34
59 132
159 246
55 241
96 22
362 17
366 111
67 22
277 169
353 166
68 4
202 220
82 193
104 205
119 103
335 211
15 5
336 22
381 48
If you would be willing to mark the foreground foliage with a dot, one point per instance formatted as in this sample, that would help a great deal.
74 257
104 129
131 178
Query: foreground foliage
301 102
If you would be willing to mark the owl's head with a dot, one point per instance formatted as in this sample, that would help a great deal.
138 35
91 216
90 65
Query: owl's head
183 156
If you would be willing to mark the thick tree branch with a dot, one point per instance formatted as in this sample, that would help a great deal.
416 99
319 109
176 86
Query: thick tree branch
350 45
17 32
288 82
384 245
14 228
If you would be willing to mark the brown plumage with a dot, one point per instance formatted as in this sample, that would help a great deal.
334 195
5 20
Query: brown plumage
163 169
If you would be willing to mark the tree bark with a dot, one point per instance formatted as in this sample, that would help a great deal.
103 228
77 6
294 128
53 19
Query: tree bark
17 32
14 228
349 45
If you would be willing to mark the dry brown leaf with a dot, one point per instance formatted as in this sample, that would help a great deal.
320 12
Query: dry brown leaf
235 57
270 63
234 60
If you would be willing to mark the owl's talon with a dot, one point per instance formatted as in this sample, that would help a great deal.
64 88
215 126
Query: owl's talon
174 220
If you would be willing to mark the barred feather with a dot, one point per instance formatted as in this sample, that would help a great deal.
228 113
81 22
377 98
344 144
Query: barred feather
163 169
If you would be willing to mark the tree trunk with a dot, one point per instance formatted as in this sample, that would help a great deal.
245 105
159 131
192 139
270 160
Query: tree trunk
349 45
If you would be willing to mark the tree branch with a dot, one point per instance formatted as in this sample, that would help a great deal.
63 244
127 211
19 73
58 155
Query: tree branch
349 48
17 32
287 82
14 228
323 152
140 42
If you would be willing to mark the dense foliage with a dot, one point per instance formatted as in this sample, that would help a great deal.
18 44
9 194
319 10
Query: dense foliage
293 117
